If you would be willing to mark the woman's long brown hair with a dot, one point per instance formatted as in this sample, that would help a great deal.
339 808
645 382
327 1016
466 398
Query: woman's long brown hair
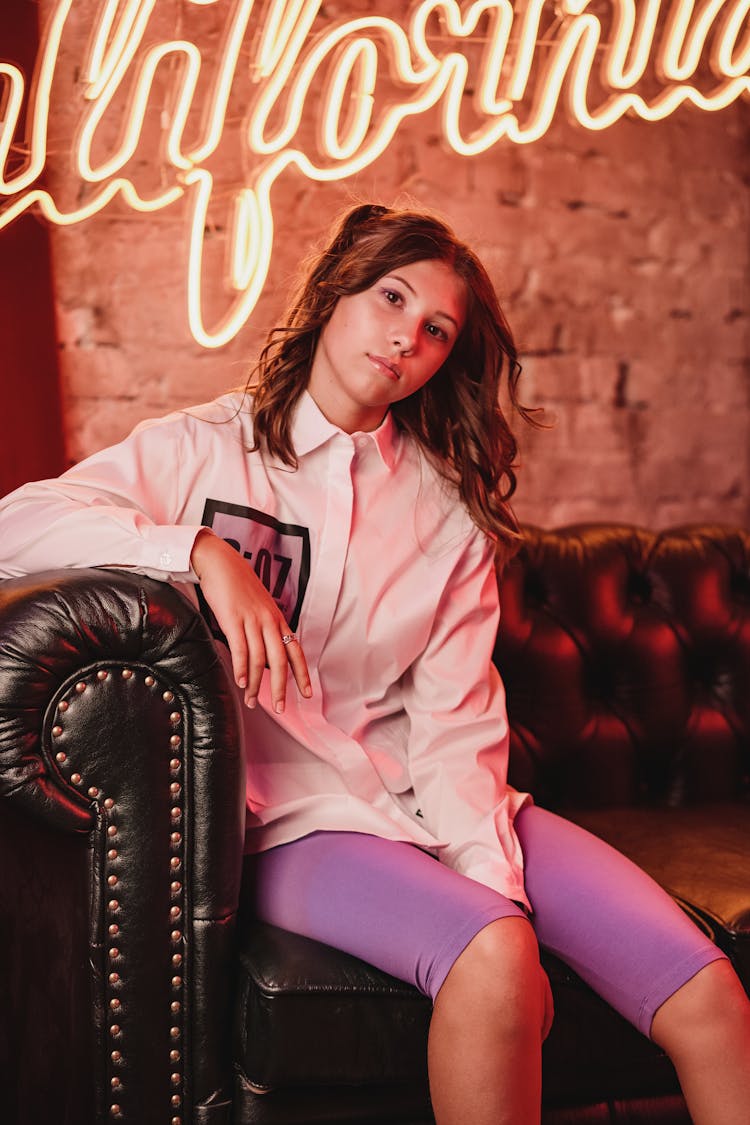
456 417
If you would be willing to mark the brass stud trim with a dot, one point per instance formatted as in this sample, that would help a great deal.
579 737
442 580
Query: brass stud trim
63 705
127 673
75 778
168 696
149 681
102 674
56 731
80 687
61 757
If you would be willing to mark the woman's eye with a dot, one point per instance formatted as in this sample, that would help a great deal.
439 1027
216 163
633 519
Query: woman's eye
437 332
391 296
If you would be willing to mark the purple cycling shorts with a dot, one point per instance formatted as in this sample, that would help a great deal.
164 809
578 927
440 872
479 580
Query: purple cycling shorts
395 906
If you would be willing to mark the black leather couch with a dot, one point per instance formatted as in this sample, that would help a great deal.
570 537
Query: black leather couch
134 983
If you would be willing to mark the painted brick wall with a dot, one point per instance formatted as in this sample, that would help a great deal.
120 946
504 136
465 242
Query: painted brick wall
621 257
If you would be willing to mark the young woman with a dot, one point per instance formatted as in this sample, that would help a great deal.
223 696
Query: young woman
341 521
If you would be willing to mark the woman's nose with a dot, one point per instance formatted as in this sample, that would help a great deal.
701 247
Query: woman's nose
403 339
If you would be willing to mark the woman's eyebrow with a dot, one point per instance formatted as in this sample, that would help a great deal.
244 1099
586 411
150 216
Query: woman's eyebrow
438 312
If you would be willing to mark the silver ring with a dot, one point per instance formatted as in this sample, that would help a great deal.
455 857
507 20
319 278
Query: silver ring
287 638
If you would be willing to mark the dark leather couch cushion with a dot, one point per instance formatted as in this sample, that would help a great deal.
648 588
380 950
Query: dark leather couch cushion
308 1015
700 854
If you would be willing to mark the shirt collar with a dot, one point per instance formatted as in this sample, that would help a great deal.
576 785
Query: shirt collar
311 429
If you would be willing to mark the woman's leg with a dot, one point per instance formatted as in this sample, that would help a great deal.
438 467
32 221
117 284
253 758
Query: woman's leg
624 935
469 948
705 1029
485 1044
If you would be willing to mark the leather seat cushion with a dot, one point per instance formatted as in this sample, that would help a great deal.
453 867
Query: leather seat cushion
309 1015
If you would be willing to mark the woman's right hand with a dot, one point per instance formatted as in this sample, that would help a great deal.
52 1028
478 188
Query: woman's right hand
249 619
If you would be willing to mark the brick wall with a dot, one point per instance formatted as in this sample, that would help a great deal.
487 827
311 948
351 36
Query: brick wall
621 257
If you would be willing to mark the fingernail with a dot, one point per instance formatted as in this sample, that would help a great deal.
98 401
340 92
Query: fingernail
242 682
307 692
278 706
251 701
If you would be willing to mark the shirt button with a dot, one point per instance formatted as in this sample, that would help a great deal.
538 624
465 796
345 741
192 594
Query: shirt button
165 560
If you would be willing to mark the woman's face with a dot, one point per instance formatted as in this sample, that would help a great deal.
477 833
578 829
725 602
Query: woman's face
383 344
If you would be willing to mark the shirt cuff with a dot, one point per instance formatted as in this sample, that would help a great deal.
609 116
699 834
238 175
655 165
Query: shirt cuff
165 552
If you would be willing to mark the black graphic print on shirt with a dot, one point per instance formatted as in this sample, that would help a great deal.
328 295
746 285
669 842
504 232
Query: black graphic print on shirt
279 553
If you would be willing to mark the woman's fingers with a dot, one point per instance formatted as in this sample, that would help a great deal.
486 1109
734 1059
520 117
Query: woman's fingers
238 650
296 658
256 666
282 654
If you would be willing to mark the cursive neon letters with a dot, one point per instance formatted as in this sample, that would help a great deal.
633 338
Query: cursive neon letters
496 72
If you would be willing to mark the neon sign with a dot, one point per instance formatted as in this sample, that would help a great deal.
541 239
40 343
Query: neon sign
495 73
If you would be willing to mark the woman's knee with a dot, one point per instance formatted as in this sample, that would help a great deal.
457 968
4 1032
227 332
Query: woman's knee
499 970
712 1004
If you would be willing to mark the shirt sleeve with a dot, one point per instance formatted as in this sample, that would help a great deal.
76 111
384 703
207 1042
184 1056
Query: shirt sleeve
122 507
459 736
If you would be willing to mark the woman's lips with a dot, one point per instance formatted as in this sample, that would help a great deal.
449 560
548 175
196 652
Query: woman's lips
385 366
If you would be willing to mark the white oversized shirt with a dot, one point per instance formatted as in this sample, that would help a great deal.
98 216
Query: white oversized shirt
386 581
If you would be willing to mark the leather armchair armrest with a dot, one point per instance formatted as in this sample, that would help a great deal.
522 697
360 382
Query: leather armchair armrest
120 749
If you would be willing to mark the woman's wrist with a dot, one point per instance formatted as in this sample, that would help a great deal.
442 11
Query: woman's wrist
202 546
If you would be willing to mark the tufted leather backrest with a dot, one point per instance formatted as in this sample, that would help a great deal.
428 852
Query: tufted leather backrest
626 658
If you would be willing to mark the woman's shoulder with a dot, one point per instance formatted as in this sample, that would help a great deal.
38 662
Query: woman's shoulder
228 414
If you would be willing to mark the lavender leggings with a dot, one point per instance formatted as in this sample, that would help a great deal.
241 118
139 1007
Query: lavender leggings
394 906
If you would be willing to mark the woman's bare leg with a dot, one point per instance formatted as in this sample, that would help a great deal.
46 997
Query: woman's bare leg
489 1019
705 1029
